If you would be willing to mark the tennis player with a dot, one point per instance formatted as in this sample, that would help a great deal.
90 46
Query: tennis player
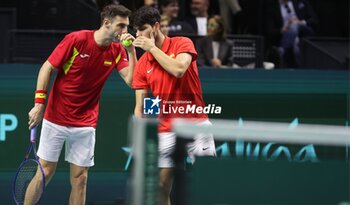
168 68
83 60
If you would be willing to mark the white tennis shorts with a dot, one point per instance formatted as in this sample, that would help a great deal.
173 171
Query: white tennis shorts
202 145
80 143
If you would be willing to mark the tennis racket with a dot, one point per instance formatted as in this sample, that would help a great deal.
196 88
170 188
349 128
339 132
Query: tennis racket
26 172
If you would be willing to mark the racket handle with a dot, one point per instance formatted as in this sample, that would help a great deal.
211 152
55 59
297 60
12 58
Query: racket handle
33 134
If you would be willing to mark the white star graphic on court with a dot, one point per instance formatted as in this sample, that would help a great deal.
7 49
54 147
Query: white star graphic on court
156 101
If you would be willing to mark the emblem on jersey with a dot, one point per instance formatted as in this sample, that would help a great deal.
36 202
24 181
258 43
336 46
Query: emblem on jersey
149 70
151 106
107 62
84 55
172 55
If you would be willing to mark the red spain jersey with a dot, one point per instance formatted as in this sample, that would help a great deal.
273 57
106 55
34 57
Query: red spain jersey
83 68
173 92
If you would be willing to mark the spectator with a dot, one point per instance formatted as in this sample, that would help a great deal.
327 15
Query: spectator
228 8
287 21
153 3
164 25
198 20
214 50
170 8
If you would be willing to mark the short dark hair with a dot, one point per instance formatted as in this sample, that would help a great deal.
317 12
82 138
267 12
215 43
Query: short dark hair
146 15
112 10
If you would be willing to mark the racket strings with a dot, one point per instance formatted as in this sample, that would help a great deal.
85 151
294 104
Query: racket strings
24 177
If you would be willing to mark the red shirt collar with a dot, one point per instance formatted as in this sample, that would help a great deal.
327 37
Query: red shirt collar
165 48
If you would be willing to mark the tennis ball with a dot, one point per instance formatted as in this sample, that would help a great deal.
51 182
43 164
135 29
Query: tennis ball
126 43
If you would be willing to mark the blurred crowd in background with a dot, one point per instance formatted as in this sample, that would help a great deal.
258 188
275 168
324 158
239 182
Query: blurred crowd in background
211 24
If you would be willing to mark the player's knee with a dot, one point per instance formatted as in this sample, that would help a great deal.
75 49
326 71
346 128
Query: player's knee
49 171
79 180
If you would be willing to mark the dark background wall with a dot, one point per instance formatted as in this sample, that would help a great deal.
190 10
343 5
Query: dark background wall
78 14
54 14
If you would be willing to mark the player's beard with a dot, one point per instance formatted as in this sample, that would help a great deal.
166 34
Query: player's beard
115 39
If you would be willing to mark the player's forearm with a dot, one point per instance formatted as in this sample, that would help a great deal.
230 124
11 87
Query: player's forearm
132 62
139 95
171 65
138 112
37 112
138 108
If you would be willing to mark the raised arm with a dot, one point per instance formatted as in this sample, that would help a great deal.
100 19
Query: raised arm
36 114
128 72
174 66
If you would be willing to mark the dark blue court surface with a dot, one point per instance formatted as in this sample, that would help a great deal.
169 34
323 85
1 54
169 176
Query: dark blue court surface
104 188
